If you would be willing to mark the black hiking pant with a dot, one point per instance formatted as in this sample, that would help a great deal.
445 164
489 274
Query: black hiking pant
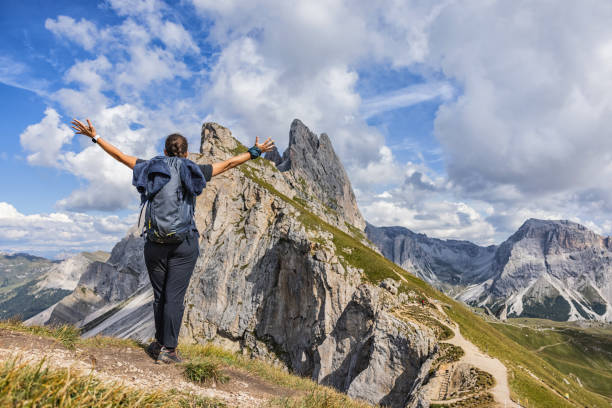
170 267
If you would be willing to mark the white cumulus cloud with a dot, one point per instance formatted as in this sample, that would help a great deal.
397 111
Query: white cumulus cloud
45 139
82 32
59 231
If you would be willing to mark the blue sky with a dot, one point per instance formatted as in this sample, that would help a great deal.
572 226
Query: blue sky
456 121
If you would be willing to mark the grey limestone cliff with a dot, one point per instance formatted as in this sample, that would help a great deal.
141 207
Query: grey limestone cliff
104 283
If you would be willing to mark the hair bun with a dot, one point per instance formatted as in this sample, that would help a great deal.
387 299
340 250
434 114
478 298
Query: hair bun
176 145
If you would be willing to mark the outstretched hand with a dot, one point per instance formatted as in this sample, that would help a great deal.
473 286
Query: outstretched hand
265 146
81 129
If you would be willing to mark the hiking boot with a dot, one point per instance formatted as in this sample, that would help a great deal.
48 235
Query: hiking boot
153 349
168 357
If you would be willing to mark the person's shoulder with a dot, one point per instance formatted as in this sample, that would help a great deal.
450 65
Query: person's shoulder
141 160
190 163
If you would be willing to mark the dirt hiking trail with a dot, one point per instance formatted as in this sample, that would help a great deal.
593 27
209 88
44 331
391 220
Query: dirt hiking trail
473 356
132 367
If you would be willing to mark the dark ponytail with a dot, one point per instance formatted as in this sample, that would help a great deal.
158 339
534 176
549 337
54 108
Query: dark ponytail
176 145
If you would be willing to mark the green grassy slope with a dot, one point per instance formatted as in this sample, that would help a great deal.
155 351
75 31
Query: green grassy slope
25 301
17 269
532 378
585 353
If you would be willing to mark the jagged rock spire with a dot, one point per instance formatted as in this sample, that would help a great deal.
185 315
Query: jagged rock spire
312 158
274 156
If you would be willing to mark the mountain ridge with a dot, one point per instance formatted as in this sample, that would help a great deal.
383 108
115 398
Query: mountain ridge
546 265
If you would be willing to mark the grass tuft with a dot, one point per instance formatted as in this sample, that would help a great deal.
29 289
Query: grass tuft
318 398
205 371
68 335
24 385
449 353
217 355
421 315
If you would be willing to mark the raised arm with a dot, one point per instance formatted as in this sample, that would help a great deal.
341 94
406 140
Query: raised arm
90 131
225 165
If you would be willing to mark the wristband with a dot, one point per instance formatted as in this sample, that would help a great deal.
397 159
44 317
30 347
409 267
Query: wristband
255 152
95 138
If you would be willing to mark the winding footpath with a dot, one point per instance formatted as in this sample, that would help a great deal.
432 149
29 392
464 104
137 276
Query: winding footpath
550 345
473 356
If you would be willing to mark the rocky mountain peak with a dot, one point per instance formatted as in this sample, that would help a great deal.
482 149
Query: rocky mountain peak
442 263
317 172
300 136
216 141
534 225
558 234
310 169
554 269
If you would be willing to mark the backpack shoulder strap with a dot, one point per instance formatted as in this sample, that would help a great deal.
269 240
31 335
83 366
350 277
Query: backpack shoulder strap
142 220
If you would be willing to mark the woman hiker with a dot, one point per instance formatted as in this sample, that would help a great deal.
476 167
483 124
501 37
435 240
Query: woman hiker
168 186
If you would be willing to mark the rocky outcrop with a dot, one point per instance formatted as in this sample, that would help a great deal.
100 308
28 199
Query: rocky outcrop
316 172
274 156
269 281
368 346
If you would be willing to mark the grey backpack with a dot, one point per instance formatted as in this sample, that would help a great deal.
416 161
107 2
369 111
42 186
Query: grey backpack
169 213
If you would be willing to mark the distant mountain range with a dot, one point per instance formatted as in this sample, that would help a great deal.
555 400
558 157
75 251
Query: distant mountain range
557 270
30 284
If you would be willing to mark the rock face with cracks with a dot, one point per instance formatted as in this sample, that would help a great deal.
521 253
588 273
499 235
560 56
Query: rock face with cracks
269 280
